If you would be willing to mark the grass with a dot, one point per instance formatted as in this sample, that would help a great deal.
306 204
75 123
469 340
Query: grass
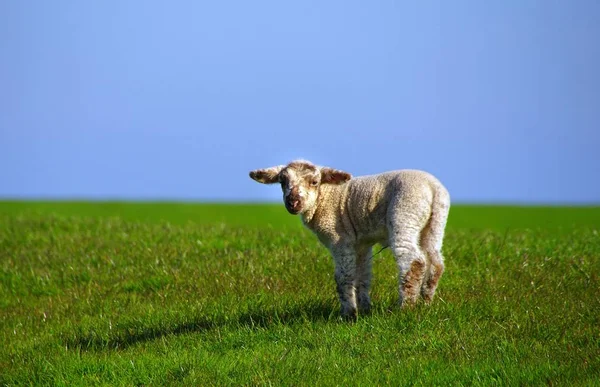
155 293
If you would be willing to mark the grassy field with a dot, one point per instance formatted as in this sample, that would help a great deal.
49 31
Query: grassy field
143 293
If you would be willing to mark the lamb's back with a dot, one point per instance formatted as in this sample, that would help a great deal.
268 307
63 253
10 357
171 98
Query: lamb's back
369 198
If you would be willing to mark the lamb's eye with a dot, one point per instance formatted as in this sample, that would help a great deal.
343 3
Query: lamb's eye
314 183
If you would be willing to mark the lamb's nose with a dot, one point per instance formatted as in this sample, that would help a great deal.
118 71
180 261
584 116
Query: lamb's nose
295 203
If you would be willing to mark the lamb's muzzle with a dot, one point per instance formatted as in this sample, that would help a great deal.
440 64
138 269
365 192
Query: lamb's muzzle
293 201
406 210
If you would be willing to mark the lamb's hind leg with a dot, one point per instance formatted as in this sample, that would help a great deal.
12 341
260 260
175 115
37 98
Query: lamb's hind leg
433 274
431 242
404 243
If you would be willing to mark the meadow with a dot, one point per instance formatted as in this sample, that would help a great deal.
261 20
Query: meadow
241 294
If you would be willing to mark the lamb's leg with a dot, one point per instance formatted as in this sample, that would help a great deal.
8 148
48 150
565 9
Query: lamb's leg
433 275
363 279
411 264
431 242
404 238
345 274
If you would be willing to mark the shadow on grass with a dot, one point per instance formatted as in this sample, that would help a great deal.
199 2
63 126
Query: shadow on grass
130 335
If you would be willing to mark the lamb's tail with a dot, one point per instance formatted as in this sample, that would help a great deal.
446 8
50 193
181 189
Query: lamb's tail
440 207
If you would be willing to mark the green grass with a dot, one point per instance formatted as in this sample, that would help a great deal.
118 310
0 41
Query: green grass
155 293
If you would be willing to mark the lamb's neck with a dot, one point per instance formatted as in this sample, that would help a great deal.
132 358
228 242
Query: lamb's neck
307 217
323 202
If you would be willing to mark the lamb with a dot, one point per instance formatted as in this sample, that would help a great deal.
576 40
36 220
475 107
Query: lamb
405 210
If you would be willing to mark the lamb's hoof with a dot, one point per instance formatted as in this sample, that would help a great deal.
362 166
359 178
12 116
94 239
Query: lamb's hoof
364 309
407 303
349 315
364 304
427 299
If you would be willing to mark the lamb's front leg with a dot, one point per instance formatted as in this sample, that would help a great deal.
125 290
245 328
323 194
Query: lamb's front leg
363 278
345 275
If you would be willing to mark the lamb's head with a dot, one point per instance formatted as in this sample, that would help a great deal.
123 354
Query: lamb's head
300 181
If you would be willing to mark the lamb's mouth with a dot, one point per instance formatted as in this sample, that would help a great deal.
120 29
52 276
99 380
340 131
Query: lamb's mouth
293 210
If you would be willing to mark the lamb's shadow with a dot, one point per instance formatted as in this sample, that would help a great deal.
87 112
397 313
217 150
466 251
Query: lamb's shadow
129 335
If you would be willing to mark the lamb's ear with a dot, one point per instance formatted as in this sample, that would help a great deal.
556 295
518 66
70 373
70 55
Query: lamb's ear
267 175
334 176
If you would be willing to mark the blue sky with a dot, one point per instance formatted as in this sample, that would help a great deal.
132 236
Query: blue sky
179 100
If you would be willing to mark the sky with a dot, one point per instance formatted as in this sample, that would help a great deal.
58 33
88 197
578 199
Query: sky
178 100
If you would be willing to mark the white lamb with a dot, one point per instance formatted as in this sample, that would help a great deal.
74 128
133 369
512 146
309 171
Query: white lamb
405 210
